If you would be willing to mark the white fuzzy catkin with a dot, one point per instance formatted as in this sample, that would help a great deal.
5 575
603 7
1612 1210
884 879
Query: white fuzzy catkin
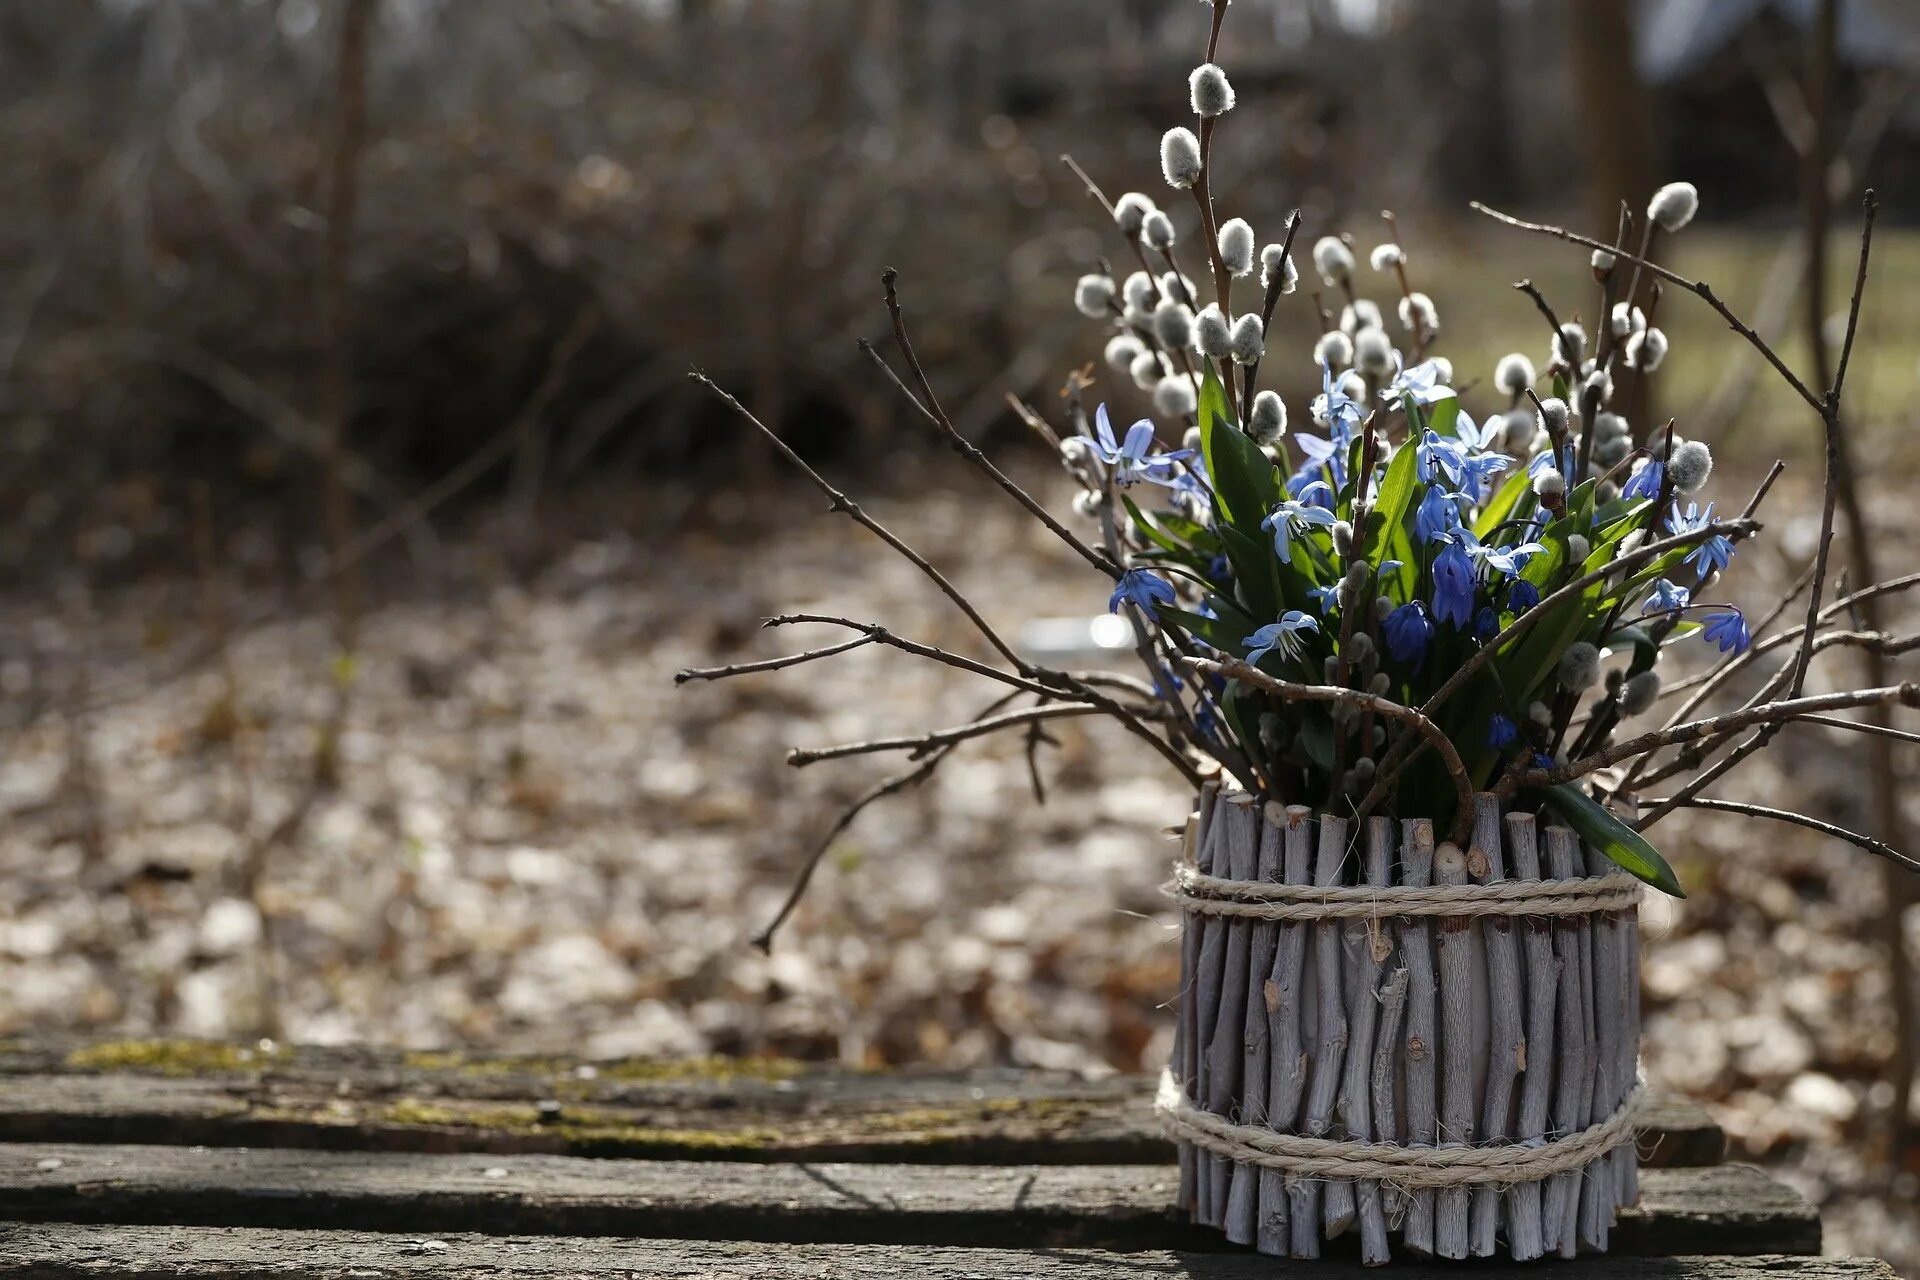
1578 548
1180 157
1192 439
1364 314
1157 231
1122 350
1639 693
1570 345
1138 291
1580 666
1212 335
1333 260
1514 374
1645 351
1627 319
1087 503
1334 350
1550 484
1268 421
1674 205
1598 384
1131 210
1236 246
1174 396
1093 295
1607 426
1146 370
1554 415
1373 352
1521 425
1172 324
1353 387
1249 339
1274 259
1418 314
1385 257
1210 91
1602 260
1611 451
1690 466
1179 288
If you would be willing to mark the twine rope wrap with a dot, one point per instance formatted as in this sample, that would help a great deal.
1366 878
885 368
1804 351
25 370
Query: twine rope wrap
1199 892
1408 1168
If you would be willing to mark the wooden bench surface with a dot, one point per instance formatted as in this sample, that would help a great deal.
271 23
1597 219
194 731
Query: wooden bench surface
137 1158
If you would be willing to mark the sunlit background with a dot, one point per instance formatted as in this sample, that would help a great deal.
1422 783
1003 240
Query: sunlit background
358 513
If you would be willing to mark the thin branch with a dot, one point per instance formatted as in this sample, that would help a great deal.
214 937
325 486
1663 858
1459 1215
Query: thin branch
1875 847
771 664
1861 726
920 744
881 635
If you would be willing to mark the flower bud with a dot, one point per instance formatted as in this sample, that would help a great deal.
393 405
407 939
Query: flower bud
1674 205
1131 211
1578 548
1334 350
1211 92
1521 425
1606 491
1180 157
1551 488
1172 324
1236 246
1381 682
1342 538
1644 351
1212 335
1639 693
1609 426
1138 291
1093 295
1122 351
1249 339
1690 466
1540 714
1173 397
1157 231
1514 374
1333 260
1611 451
1268 421
1602 260
1626 319
1273 259
1554 415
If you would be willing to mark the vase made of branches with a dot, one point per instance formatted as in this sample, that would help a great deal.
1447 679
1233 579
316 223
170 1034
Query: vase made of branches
1405 1040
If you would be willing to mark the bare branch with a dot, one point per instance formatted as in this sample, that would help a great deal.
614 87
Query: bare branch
881 635
771 664
1875 847
920 744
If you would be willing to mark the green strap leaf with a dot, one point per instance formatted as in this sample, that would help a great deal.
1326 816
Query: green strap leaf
1627 848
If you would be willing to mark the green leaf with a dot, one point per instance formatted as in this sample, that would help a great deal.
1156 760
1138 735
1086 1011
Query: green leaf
1396 495
1225 634
1500 507
1443 416
1645 649
1627 848
1243 478
1154 533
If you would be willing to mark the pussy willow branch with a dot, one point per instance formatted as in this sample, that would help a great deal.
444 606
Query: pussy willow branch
771 664
1403 751
929 406
1875 847
1769 713
891 786
920 744
1234 669
1272 300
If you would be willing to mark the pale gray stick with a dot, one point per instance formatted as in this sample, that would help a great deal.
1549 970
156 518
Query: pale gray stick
1561 1210
1369 944
1243 1191
1423 1028
1506 1050
1451 1204
1206 999
1226 1047
1524 1226
1337 1208
1600 1185
1386 1062
1630 1051
1185 1023
1281 1205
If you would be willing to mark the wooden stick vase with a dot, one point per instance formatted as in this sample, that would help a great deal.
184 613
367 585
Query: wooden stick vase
1383 1036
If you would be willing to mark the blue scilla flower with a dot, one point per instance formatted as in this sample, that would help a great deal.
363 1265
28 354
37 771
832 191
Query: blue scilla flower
1477 473
1220 570
1438 514
1713 553
1284 635
1297 514
1667 598
1522 595
1453 584
1726 628
1646 482
1439 455
1486 623
1421 384
1129 458
1325 598
1502 732
1333 407
1510 561
1409 634
1142 588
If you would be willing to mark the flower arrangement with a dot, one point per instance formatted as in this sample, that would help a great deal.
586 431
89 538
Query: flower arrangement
1436 586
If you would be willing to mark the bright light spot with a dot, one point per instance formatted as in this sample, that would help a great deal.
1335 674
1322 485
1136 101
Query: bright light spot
1111 631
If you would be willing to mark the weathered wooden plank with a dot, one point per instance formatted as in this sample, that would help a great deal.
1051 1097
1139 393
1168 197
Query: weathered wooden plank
186 1093
62 1251
1725 1209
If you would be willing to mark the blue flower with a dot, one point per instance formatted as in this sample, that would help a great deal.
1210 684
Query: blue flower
1325 597
1486 623
1220 570
1295 515
1522 595
1502 732
1408 633
1421 384
1333 407
1141 588
1129 459
1545 460
1477 472
1510 561
1438 514
1713 553
1667 598
1453 584
1726 628
1283 635
1645 483
1439 455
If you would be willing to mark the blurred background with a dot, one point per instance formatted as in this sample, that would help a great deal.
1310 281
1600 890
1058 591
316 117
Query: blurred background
357 512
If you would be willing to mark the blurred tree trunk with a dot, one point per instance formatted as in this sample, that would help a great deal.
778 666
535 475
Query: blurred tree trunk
1615 110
